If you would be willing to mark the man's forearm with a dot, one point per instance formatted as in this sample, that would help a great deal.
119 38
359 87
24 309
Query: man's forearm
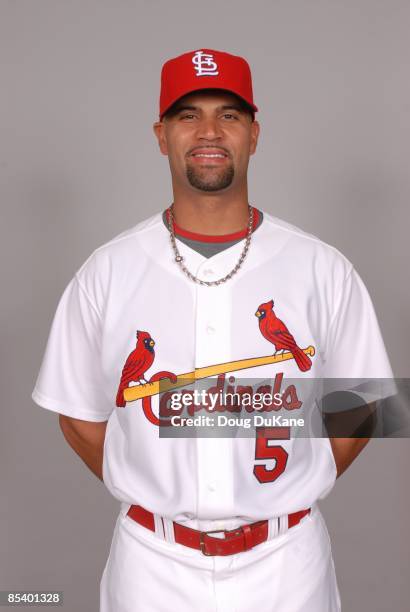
345 451
359 424
86 438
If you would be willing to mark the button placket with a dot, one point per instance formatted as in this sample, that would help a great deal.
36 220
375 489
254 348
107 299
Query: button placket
214 454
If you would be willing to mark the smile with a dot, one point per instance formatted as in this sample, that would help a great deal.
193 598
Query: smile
209 155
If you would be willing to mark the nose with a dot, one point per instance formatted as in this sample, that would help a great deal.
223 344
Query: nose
209 129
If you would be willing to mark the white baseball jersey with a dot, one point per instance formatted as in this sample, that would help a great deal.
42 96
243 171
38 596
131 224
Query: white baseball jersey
132 284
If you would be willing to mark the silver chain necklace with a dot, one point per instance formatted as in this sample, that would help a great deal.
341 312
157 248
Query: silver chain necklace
179 259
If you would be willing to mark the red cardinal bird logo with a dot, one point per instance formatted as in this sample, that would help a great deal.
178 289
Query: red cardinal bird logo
274 330
138 362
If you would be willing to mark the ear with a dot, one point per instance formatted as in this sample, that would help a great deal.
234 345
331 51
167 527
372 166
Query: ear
159 130
255 129
138 333
271 303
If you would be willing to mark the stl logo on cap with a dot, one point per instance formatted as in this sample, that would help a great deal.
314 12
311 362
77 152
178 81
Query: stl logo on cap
204 64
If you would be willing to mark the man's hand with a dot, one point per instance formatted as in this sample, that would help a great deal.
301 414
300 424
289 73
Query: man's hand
86 438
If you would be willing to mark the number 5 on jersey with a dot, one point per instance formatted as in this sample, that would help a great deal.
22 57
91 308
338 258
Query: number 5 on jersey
264 449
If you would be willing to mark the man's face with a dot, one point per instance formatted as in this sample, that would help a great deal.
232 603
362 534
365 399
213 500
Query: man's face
208 138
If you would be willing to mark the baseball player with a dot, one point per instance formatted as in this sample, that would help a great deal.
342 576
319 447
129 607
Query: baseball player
211 288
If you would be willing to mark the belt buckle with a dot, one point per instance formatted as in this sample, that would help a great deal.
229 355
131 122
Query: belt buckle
202 544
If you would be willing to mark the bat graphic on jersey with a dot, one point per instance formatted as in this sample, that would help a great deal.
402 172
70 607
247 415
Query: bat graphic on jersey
159 384
138 362
275 331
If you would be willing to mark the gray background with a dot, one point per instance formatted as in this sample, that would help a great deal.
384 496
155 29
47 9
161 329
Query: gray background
79 164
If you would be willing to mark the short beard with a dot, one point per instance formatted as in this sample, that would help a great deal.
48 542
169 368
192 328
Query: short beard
214 183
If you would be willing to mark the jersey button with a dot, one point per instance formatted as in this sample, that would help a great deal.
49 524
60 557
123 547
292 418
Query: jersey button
211 488
210 329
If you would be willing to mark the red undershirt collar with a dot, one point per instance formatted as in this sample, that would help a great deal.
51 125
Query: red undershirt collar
179 231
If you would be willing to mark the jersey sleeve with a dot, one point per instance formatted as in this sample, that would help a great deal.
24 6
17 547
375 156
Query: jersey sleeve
355 357
70 377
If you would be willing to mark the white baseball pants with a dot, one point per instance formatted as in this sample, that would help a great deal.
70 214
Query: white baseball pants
291 572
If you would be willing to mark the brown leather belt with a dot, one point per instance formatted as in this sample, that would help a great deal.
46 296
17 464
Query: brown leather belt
237 540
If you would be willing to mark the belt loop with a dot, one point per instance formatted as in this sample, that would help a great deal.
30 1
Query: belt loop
283 524
169 533
273 527
159 527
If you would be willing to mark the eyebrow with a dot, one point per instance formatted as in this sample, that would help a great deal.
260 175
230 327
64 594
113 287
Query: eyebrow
185 107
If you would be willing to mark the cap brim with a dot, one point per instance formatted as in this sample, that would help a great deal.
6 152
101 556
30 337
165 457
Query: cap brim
251 106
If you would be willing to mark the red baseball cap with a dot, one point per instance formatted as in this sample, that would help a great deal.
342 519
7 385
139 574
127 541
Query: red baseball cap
204 69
